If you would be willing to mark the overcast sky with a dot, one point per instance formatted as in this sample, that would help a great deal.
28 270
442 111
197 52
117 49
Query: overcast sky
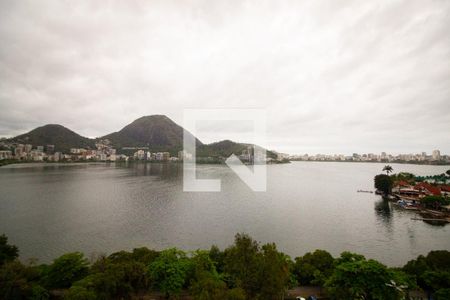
334 76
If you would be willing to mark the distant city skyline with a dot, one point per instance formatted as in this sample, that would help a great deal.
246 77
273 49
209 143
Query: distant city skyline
427 153
334 76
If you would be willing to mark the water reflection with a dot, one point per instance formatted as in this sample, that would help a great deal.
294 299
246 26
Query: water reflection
50 209
383 211
164 171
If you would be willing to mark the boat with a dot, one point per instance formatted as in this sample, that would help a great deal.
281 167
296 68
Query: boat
407 205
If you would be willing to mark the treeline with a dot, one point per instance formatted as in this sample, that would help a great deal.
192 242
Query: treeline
244 270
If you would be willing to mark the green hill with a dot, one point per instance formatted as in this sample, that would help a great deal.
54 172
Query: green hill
54 134
157 132
224 149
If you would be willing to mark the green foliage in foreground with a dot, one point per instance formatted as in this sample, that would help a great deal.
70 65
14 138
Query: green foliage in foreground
365 279
245 270
7 252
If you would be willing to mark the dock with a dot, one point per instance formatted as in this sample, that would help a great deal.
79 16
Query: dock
447 220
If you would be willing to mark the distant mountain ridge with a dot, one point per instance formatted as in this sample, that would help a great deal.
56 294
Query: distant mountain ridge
158 132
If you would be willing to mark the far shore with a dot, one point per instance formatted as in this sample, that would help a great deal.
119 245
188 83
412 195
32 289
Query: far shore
215 162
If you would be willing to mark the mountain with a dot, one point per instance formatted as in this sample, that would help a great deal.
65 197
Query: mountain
157 132
225 148
54 134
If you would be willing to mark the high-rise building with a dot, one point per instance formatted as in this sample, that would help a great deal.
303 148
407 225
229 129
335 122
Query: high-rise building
28 148
50 149
436 155
18 151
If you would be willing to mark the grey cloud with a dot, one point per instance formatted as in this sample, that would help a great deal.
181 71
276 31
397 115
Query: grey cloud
334 76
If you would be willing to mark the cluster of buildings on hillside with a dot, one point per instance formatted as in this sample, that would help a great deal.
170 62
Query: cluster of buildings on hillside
103 152
371 157
160 156
28 152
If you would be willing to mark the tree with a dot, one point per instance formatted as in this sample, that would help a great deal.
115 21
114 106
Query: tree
13 281
388 169
431 272
438 260
363 279
67 269
217 257
80 293
144 255
208 286
236 294
442 294
111 279
16 282
7 252
403 176
39 293
313 268
242 264
274 272
169 271
435 201
383 183
436 280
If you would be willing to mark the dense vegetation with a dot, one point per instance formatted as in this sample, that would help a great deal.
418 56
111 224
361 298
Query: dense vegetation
435 201
383 183
443 178
245 270
225 149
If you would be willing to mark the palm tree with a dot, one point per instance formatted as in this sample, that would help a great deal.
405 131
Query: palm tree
388 169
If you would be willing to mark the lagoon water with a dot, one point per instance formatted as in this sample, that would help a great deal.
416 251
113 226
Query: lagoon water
51 209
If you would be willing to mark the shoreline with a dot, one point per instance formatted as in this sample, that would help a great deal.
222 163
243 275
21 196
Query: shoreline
15 162
379 162
9 163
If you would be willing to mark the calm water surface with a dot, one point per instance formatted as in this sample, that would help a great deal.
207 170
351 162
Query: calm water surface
49 209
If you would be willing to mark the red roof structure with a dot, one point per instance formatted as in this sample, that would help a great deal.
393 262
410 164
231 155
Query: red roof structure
424 186
445 188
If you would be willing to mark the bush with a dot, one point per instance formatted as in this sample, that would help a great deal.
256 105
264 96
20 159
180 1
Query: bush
314 268
7 252
67 269
363 279
80 293
169 271
435 201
